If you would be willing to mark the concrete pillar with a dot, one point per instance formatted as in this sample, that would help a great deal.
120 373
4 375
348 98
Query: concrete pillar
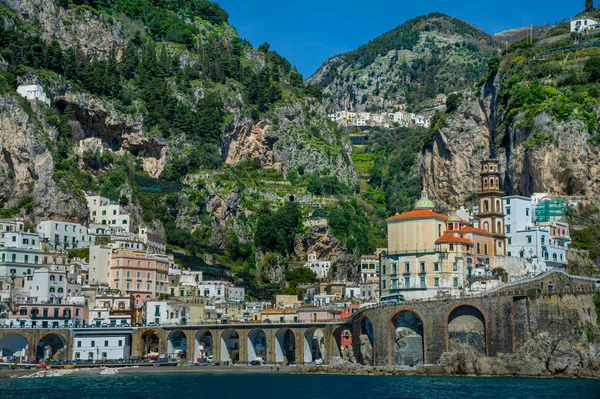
217 345
243 345
299 349
190 352
270 335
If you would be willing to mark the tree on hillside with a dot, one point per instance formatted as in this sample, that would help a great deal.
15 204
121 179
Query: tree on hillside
589 5
592 69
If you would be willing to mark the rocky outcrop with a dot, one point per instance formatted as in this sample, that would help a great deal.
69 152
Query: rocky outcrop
320 241
252 142
27 167
539 154
91 33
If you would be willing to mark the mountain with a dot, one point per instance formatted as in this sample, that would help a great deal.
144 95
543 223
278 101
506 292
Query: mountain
409 65
163 108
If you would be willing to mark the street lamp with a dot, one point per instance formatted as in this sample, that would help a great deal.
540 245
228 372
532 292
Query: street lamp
382 254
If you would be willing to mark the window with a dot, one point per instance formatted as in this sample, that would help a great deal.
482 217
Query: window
451 247
14 238
384 267
436 282
104 213
528 239
157 310
422 282
543 240
422 267
406 282
526 211
508 229
79 344
508 211
406 267
114 211
105 343
508 201
93 344
26 258
394 268
510 241
436 267
14 257
455 281
120 342
485 249
455 267
124 221
383 284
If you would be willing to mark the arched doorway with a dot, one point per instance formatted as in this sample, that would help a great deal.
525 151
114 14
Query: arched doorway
177 345
14 348
51 347
285 346
407 339
230 346
257 345
314 341
204 346
366 342
466 326
150 344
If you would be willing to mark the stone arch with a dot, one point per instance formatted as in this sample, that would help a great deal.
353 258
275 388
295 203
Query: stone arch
150 343
177 345
203 345
486 226
230 346
14 347
51 346
314 341
466 324
407 338
485 183
285 346
499 227
257 345
486 205
498 205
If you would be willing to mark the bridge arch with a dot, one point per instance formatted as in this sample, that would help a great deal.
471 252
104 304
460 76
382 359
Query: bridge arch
406 338
52 346
365 340
257 344
285 346
14 347
150 343
177 345
204 343
314 344
466 324
230 346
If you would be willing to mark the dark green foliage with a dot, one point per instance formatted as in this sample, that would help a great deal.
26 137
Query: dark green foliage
406 37
326 185
81 253
351 226
589 5
592 69
25 203
276 231
296 277
453 102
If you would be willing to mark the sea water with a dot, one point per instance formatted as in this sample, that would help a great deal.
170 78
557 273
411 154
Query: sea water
290 386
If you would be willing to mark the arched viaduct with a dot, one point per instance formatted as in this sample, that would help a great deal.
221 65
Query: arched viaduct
409 334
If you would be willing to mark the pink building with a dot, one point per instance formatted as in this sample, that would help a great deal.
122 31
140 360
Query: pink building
47 315
315 315
138 274
349 310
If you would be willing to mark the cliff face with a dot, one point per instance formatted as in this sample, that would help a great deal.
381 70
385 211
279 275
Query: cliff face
27 167
90 33
537 153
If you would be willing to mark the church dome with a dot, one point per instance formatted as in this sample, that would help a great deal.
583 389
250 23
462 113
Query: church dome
424 202
453 218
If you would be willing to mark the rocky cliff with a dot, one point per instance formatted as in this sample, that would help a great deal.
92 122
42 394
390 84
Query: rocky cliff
545 144
27 173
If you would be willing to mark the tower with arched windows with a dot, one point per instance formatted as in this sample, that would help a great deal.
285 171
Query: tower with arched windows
491 206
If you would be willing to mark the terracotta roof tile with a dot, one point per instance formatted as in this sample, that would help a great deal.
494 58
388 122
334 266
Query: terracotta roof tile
451 238
418 214
469 229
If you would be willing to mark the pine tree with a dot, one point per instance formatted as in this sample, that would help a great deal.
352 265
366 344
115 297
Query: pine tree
589 5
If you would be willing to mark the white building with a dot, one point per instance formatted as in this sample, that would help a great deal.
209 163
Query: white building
235 294
105 212
99 265
47 286
359 122
320 267
213 289
96 344
583 25
352 292
12 224
155 244
530 241
33 92
167 313
20 254
64 235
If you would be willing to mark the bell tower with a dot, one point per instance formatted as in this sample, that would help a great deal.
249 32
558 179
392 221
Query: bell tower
491 205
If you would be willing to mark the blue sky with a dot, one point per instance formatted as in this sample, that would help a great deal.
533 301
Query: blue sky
307 32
